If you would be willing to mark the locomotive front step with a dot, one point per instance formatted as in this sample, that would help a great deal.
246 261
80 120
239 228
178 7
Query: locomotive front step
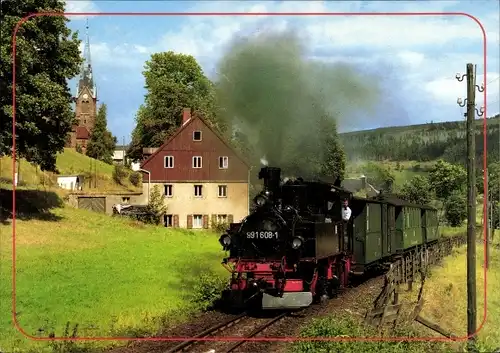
290 300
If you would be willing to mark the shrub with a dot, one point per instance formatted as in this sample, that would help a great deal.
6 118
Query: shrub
416 190
220 227
119 174
135 178
208 290
455 209
156 206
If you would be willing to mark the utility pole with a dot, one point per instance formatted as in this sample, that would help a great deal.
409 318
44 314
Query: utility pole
471 201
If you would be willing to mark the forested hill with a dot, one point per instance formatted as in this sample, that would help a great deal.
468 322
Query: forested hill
422 142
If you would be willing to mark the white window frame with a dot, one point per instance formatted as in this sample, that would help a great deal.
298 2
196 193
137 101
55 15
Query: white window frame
171 190
200 187
220 188
195 158
223 159
170 222
201 135
197 221
168 165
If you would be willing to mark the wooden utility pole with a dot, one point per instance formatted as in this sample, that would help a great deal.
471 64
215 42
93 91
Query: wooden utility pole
471 208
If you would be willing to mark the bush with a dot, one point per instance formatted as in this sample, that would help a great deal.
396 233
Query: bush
208 290
455 209
119 174
156 206
135 178
416 190
220 227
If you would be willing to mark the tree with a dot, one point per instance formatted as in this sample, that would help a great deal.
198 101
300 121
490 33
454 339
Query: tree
173 82
446 178
102 143
380 176
455 208
333 161
47 56
156 205
417 190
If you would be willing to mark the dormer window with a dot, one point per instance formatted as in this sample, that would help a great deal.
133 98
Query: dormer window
196 135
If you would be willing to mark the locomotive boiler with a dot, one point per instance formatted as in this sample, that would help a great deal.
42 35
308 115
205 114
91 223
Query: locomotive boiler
293 249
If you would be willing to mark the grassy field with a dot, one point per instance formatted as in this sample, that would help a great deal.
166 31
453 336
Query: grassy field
110 276
69 162
445 295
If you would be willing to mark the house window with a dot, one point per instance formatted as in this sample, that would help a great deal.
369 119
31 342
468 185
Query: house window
168 220
125 199
198 190
85 121
223 162
197 221
168 190
222 190
169 161
196 162
221 218
196 135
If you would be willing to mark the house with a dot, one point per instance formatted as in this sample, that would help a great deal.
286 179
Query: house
360 185
70 182
203 180
120 157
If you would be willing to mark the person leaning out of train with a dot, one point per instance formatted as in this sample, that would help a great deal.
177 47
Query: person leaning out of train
346 211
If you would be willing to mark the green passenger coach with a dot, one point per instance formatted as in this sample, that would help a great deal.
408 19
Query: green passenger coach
387 226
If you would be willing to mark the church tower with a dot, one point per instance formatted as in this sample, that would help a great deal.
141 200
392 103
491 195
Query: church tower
85 101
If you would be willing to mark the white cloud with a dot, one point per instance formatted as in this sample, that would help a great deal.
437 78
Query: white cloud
80 6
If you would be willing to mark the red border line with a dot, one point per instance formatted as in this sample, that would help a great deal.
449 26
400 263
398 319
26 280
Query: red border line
362 339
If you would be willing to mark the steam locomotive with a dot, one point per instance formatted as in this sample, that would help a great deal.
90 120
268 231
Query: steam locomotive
295 249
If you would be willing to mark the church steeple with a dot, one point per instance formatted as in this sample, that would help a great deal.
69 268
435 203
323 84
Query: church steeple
86 77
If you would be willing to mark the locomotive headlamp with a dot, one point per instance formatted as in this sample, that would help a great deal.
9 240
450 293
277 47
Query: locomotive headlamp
297 242
225 240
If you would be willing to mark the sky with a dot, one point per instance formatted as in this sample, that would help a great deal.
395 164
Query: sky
418 57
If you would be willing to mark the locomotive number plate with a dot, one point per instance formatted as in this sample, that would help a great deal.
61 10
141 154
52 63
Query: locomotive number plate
262 235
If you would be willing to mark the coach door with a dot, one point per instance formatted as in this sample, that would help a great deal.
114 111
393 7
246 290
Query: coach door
391 227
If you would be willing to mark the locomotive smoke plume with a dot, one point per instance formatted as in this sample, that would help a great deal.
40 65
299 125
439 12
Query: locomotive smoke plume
280 100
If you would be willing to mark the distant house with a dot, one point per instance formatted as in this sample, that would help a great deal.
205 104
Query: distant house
120 155
357 185
203 180
70 182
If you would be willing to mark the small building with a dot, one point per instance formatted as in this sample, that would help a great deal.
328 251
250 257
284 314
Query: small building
202 179
360 185
70 182
120 157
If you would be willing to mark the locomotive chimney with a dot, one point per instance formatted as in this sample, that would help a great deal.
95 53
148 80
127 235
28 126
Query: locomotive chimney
186 115
272 178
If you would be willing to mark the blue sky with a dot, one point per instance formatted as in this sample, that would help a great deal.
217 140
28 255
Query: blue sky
418 56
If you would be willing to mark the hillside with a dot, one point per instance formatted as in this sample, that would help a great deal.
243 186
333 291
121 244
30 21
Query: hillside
98 175
423 142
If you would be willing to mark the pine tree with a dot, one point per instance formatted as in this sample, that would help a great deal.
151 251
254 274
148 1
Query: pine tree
102 143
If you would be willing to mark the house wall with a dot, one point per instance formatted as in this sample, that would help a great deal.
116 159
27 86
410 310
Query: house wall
184 203
183 149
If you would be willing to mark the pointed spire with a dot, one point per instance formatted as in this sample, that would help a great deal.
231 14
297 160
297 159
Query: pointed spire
86 77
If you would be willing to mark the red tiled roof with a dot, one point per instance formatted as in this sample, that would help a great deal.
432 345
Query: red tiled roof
82 133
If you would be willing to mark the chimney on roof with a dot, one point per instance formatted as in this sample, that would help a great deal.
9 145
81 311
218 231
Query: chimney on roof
186 115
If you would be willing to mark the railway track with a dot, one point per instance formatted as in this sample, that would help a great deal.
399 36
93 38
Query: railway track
227 346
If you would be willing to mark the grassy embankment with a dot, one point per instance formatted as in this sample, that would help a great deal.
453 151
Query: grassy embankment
69 162
445 297
110 276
